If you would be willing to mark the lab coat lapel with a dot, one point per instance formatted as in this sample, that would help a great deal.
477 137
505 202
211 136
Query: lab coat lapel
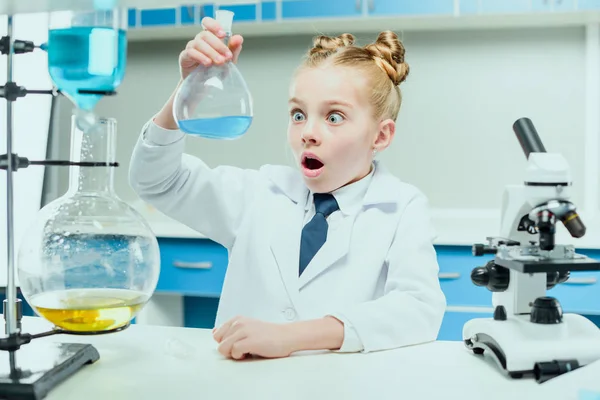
285 246
340 234
285 237
336 246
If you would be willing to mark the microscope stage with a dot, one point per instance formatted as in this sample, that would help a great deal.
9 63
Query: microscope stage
529 265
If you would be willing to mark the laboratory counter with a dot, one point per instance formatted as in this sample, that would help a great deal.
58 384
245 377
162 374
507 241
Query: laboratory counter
156 362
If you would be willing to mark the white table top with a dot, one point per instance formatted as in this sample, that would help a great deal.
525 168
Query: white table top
150 362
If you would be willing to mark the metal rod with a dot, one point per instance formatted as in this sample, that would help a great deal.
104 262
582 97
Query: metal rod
13 365
11 292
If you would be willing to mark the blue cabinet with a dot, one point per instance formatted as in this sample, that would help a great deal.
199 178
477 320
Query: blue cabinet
456 264
554 5
494 6
195 268
242 12
588 4
295 9
453 322
268 10
158 17
515 6
191 267
187 14
580 293
410 7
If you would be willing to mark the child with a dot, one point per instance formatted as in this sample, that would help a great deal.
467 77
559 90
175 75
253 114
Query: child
336 254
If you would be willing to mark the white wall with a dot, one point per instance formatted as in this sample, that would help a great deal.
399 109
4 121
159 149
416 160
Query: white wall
455 138
30 129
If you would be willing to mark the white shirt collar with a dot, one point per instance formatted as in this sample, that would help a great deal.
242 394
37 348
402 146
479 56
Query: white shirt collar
349 197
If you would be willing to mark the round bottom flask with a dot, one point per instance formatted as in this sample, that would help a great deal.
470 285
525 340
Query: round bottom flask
89 263
214 102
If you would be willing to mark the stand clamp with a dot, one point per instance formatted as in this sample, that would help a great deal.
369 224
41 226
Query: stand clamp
19 46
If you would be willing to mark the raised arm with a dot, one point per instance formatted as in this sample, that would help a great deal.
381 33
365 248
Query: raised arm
209 200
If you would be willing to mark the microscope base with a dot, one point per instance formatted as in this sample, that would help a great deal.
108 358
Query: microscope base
522 348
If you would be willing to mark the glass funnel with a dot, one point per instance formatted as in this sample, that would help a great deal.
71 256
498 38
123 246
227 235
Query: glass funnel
89 262
214 102
87 54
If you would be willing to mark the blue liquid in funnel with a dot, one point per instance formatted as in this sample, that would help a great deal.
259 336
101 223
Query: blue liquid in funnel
89 58
216 128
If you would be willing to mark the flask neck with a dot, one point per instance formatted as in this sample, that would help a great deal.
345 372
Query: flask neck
96 144
226 38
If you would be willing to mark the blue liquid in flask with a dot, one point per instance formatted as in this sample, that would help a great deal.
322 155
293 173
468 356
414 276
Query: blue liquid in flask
88 58
230 127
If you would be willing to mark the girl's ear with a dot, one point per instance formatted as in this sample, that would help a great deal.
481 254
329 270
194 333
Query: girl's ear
387 129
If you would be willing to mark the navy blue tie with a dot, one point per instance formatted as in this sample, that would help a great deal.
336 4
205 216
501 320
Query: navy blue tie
314 232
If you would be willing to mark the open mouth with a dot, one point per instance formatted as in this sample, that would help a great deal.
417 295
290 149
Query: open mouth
312 165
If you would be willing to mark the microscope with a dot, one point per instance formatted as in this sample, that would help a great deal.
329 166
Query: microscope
528 335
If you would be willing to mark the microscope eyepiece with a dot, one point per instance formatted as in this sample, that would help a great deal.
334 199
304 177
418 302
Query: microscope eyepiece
528 137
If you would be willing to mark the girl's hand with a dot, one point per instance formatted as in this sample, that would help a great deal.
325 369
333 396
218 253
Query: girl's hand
208 48
241 336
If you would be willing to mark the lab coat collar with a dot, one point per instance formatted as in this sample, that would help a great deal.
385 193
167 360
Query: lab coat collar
382 188
284 242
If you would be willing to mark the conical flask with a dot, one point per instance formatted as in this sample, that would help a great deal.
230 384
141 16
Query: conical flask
89 262
214 102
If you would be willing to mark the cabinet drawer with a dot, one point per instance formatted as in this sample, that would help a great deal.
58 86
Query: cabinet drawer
453 322
495 6
241 12
410 7
588 4
456 264
553 5
318 8
193 267
158 17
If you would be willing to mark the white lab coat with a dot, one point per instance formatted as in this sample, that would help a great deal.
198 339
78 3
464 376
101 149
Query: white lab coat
379 275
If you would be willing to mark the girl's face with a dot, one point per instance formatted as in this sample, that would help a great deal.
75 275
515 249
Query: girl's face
331 128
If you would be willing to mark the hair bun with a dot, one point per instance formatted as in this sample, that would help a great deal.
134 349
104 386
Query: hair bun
388 52
326 44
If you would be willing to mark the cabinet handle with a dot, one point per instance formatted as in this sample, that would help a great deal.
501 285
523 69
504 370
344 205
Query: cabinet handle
448 275
371 4
581 281
193 265
358 4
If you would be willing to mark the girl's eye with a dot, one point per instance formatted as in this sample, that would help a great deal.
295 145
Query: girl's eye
335 118
297 116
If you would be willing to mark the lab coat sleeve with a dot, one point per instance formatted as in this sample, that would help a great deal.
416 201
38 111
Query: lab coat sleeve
211 201
412 307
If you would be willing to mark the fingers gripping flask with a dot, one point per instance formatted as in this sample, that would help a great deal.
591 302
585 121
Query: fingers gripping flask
214 102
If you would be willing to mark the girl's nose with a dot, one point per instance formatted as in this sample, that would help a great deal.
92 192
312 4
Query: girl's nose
311 136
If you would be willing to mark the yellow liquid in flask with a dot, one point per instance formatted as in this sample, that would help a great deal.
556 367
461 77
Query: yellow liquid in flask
89 310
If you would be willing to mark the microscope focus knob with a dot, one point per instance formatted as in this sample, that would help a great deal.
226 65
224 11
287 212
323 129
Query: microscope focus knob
480 249
546 310
494 277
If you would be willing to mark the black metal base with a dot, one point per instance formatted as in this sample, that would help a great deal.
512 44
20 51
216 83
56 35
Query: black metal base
41 366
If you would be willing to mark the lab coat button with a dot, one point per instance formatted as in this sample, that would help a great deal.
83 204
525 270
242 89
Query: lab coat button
289 313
